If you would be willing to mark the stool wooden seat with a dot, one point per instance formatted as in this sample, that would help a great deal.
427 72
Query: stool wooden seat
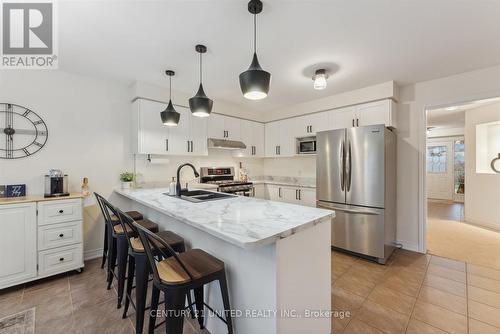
170 237
146 223
135 215
176 275
198 262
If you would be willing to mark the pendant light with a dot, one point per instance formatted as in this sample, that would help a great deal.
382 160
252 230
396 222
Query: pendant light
200 104
169 116
255 82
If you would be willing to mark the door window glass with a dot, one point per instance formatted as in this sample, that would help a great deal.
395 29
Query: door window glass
459 166
437 159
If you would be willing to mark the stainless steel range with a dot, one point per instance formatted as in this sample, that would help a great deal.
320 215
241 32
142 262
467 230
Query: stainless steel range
223 177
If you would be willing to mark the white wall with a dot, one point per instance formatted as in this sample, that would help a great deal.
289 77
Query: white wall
414 99
88 123
481 189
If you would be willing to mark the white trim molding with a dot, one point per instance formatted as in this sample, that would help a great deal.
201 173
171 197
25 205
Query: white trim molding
92 254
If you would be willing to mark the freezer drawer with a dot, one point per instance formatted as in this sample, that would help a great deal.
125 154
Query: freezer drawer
358 229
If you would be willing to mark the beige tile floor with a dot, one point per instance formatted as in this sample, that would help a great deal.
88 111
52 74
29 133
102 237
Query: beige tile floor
415 294
449 236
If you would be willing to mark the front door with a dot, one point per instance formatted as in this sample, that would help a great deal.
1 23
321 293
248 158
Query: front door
440 170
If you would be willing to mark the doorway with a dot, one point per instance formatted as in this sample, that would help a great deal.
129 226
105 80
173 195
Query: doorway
461 223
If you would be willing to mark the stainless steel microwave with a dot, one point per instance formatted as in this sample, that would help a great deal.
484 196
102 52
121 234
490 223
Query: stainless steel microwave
306 145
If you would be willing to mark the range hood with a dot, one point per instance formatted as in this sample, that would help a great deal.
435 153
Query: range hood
226 144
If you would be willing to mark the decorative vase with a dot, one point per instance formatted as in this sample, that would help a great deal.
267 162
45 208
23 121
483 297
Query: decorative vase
126 185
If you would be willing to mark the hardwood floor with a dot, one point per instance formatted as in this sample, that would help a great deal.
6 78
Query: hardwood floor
449 236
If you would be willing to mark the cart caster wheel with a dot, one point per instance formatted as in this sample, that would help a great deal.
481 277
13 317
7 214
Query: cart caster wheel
80 270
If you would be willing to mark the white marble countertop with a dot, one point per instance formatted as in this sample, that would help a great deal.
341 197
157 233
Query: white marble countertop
302 182
243 221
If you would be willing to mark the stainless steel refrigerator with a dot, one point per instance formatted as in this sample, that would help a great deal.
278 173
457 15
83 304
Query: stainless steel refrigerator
356 177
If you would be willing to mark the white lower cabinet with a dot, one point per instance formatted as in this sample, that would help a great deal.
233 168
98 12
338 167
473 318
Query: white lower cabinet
18 252
40 239
294 195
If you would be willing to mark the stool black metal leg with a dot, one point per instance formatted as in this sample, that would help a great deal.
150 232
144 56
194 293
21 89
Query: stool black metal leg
198 300
155 297
141 289
225 300
174 302
130 282
105 246
190 303
122 251
111 259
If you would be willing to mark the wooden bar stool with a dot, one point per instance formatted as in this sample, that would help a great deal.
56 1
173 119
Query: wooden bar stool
117 246
176 275
138 267
135 215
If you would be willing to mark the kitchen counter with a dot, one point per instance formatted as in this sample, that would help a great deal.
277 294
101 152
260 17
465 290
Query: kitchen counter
36 198
243 221
286 181
277 256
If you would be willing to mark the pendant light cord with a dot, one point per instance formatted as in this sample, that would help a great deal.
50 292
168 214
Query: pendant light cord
254 33
170 88
200 69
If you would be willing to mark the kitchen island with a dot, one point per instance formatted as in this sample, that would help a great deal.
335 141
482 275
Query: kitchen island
277 257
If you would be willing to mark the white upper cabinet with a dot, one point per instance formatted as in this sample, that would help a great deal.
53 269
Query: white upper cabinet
187 138
380 112
279 138
342 118
308 125
252 135
152 135
224 127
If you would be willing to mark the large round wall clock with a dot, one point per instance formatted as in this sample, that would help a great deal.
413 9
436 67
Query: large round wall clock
22 132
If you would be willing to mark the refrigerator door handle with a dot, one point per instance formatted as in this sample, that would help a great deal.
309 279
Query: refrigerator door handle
342 166
348 167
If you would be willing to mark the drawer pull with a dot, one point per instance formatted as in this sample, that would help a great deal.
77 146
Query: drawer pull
61 259
61 211
61 235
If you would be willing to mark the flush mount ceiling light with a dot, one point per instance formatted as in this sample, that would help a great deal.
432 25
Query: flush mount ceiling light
200 104
319 79
255 82
169 116
453 108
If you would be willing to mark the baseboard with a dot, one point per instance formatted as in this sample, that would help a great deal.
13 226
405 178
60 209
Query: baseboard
486 225
411 246
92 254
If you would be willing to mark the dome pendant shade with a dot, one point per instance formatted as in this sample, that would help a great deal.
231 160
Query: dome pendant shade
200 104
169 116
255 82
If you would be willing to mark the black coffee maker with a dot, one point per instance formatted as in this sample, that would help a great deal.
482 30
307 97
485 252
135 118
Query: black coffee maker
56 184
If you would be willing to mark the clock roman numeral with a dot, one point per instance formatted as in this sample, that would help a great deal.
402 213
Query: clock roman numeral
26 152
26 113
37 144
38 122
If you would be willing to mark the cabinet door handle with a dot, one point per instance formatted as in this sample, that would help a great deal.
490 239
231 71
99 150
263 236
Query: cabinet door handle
192 146
300 194
353 122
357 121
188 146
61 211
296 194
61 259
276 150
279 192
166 145
279 150
61 235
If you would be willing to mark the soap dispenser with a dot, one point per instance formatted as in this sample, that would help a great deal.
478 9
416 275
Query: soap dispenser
172 187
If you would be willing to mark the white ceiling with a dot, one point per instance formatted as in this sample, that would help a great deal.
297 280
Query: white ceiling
454 116
364 42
